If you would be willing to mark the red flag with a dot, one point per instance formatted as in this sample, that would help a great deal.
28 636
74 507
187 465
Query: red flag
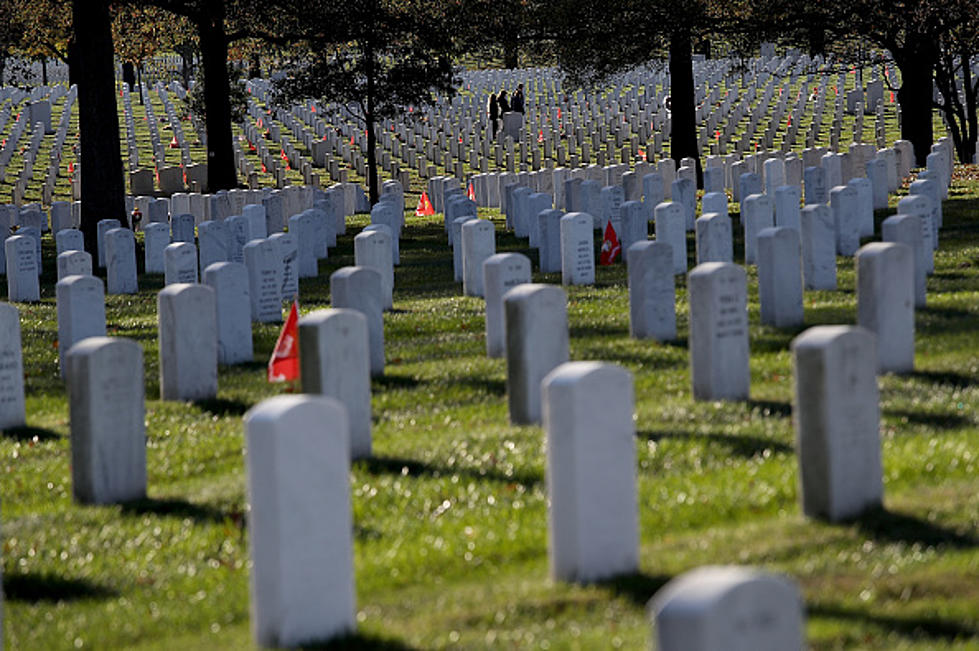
610 246
173 143
424 206
471 193
284 363
540 135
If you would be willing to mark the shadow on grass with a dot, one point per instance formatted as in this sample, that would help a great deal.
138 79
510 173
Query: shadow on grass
490 386
944 312
28 433
943 420
596 330
772 407
656 356
957 380
245 367
177 508
915 627
950 275
360 642
943 320
740 445
409 467
637 588
396 381
221 407
775 341
35 588
890 526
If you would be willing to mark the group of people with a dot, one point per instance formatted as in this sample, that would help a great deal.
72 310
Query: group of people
499 104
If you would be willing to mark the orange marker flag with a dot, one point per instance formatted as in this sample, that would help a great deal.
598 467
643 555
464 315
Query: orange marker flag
424 206
284 363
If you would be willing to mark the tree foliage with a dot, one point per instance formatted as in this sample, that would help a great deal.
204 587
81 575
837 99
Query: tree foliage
372 57
958 85
45 26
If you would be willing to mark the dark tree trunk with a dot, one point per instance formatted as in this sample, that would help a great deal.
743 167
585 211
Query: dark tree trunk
369 123
372 161
704 47
967 148
511 49
915 97
217 90
185 68
972 113
817 40
73 61
44 71
683 118
103 189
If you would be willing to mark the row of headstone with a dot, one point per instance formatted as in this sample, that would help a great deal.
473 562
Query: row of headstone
453 133
295 469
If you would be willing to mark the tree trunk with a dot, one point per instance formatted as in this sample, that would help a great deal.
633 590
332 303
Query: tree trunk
816 33
683 139
511 50
185 68
968 151
214 55
372 161
44 71
73 61
103 188
915 97
704 47
370 69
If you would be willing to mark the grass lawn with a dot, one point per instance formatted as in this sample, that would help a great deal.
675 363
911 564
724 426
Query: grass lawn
450 515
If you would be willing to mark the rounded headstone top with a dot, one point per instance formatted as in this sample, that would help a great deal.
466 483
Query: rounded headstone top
820 336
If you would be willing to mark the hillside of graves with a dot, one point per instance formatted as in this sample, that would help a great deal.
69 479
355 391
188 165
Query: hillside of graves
450 480
450 510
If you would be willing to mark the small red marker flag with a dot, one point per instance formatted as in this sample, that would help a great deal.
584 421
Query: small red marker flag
424 206
471 192
284 363
610 246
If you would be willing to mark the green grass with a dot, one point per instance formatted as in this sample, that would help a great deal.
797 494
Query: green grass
450 514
